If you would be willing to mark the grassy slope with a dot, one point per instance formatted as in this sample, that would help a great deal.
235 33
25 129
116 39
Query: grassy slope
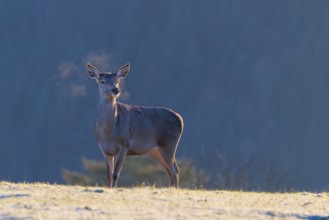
45 201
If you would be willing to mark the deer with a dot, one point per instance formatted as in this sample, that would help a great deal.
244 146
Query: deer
129 130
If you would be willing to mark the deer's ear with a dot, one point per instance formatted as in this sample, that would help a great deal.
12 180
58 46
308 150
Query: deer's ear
123 71
92 71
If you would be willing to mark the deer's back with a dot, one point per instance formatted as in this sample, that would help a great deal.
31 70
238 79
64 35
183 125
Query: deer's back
160 124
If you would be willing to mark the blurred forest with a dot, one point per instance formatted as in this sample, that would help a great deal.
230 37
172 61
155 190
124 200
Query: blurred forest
250 79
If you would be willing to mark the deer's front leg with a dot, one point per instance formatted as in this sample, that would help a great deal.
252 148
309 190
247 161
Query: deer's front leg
119 159
110 166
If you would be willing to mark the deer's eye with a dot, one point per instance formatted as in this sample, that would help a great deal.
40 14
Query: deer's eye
102 81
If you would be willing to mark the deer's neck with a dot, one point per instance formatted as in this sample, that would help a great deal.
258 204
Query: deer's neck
106 119
107 111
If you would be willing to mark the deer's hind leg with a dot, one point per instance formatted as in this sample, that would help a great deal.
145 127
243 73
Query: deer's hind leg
176 166
172 167
168 163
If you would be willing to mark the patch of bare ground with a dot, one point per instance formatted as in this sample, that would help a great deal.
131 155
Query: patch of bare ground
46 201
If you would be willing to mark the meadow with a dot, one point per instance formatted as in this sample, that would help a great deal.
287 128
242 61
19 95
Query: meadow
50 201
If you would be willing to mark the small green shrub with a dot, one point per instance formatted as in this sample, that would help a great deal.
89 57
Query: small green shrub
136 171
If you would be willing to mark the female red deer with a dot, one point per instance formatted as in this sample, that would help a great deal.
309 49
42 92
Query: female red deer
123 129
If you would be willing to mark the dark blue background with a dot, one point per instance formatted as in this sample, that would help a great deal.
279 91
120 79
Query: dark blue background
250 79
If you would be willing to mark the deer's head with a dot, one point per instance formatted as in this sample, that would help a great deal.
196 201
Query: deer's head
108 82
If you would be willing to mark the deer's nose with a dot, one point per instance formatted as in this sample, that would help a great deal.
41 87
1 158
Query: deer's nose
115 90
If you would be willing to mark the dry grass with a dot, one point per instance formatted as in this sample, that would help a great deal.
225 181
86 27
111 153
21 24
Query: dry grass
45 201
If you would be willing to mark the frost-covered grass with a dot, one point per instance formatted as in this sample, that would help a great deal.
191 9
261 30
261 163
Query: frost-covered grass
46 201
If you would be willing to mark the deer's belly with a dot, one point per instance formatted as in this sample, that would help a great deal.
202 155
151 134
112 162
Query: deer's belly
140 147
